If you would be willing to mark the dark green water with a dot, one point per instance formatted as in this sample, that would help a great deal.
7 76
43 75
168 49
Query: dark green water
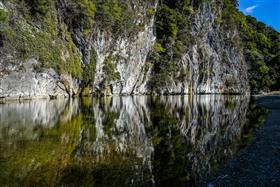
123 141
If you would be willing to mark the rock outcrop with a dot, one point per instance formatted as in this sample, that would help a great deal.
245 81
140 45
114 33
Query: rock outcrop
213 63
132 59
29 84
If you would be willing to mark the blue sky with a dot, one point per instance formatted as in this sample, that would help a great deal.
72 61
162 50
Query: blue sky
267 11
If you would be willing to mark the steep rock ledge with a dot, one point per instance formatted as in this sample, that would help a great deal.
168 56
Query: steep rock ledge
131 61
29 84
212 61
127 54
215 62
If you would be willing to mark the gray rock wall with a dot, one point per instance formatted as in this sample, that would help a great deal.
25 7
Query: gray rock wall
29 84
214 63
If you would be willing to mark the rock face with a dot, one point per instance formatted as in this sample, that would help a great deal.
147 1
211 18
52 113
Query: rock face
28 84
214 62
132 58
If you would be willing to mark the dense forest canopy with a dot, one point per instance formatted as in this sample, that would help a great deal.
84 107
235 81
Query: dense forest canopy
261 45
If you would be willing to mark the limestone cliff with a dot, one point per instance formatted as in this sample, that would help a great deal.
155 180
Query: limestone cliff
214 62
65 52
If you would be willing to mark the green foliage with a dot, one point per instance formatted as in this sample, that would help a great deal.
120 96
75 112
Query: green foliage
230 15
116 16
3 15
87 11
173 37
73 63
168 22
89 69
38 7
110 70
260 45
151 11
43 42
112 12
88 7
261 48
158 48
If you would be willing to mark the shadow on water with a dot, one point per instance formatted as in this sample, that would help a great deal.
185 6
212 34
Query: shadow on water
123 141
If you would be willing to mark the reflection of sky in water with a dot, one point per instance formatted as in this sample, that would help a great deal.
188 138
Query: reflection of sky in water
153 136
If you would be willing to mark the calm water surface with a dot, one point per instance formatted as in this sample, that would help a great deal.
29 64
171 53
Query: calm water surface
123 141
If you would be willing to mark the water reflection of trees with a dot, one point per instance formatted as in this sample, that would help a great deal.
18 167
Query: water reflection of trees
195 135
124 141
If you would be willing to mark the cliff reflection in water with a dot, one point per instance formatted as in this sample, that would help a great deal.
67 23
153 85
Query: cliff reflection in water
122 141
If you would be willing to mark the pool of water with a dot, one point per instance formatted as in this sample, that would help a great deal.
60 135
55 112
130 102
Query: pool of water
123 141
